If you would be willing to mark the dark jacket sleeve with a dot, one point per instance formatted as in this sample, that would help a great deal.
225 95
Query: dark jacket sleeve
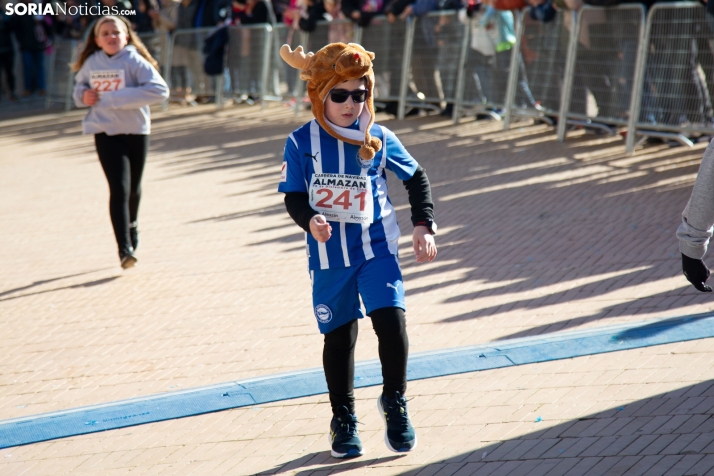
420 196
396 7
315 13
348 6
299 209
260 13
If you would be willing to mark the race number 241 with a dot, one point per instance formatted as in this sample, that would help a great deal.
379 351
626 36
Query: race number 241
344 199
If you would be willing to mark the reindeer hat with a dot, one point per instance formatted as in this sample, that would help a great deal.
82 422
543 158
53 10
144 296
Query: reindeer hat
330 66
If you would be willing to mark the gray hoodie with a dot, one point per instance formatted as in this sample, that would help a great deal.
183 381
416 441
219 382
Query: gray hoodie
698 216
127 84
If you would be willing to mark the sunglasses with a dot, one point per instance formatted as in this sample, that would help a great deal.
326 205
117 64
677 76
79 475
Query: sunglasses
340 95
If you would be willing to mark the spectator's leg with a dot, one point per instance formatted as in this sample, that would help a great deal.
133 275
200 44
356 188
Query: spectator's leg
27 72
6 65
40 71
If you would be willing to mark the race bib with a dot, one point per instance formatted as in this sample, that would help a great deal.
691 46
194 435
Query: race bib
343 198
107 80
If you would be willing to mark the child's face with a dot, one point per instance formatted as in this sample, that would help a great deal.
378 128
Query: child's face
112 37
346 113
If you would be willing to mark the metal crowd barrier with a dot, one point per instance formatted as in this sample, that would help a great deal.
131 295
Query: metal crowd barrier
186 79
538 63
158 44
248 71
282 78
388 42
416 60
482 71
601 67
675 82
60 78
435 56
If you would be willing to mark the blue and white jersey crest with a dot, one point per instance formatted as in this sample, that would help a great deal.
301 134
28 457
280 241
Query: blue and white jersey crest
309 151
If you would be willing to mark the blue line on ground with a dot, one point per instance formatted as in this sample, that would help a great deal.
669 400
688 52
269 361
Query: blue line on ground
272 388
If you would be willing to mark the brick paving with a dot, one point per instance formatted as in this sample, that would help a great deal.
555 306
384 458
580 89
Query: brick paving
535 237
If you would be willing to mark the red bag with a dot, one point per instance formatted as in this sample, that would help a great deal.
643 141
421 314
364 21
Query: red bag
509 4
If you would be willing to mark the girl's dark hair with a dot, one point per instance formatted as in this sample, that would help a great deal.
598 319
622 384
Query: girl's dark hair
91 47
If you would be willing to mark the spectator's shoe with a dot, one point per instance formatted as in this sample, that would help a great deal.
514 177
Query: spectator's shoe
448 111
343 436
399 433
504 46
127 258
134 235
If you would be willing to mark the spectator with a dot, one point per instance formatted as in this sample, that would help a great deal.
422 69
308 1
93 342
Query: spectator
210 13
164 18
250 12
311 11
7 56
279 8
426 51
32 34
144 21
245 72
186 58
362 11
70 26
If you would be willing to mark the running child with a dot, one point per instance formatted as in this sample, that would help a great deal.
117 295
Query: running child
335 186
118 79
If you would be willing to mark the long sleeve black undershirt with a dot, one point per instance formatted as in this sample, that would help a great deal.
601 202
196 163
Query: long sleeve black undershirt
418 189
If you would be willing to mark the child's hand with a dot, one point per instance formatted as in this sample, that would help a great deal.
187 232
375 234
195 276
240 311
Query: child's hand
424 245
320 229
90 97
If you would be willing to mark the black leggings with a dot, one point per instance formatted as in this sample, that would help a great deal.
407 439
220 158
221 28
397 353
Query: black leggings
123 157
338 357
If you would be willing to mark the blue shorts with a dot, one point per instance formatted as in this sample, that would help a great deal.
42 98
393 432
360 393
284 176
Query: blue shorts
336 292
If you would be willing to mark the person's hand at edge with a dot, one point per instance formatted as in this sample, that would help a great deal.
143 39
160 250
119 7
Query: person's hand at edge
320 229
424 245
696 272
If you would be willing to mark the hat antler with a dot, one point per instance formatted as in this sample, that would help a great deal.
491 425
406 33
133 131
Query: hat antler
297 59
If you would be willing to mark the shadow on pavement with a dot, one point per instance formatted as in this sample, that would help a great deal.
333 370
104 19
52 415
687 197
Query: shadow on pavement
88 284
526 223
324 456
671 433
45 281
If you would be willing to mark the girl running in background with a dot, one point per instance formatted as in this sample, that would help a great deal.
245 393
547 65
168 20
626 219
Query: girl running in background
118 79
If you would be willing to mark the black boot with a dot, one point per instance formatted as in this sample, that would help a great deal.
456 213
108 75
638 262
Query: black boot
127 258
134 235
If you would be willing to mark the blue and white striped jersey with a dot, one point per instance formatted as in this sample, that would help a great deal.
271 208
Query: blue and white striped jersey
311 156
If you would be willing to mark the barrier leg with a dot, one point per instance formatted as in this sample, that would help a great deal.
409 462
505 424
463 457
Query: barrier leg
51 77
167 69
513 72
268 41
406 68
568 78
300 84
637 87
220 84
357 35
460 78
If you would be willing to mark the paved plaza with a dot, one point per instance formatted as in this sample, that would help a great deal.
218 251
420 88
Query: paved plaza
535 238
